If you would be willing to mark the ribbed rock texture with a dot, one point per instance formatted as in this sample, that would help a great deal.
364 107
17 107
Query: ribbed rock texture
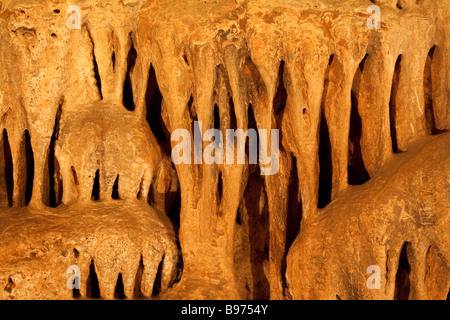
91 91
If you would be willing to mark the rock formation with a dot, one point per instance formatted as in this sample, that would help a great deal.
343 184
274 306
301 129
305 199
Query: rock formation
93 91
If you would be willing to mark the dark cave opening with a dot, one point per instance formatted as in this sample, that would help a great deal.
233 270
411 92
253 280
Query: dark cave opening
357 173
115 190
92 286
153 98
9 177
279 101
29 167
97 74
325 155
429 80
127 98
326 165
402 283
119 290
96 187
157 283
393 104
54 180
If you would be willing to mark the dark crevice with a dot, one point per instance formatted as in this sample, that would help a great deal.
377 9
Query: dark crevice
92 286
216 118
179 267
192 109
115 191
294 209
185 58
238 218
153 99
157 284
76 294
76 254
128 100
96 72
29 167
173 206
219 188
74 173
10 285
137 293
96 187
326 167
9 177
279 102
119 290
402 284
113 59
55 182
97 76
139 194
428 81
293 218
325 157
254 216
357 173
252 125
232 114
393 104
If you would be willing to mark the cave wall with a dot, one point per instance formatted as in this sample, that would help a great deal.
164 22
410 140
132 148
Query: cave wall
89 108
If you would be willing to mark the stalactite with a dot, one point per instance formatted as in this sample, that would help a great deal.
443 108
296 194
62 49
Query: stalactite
90 117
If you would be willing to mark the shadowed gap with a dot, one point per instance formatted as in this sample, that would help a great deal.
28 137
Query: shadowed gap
115 191
428 80
10 285
119 290
393 104
294 209
157 284
402 284
219 188
153 99
326 168
173 206
325 156
293 217
238 217
113 58
97 74
255 224
96 187
76 292
137 293
216 118
357 173
29 167
92 286
279 101
9 178
128 100
54 181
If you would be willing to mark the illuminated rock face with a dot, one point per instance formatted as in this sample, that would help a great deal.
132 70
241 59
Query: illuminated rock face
91 92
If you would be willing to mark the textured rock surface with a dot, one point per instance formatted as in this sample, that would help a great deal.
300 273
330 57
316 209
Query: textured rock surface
87 115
